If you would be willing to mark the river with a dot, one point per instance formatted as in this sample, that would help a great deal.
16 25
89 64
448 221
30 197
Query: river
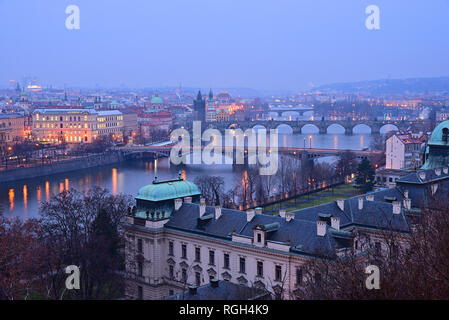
22 198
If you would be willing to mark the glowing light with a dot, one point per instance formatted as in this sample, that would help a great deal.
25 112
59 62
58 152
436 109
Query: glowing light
114 181
11 199
25 197
47 191
38 194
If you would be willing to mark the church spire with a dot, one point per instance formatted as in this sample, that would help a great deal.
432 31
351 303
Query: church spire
199 96
211 95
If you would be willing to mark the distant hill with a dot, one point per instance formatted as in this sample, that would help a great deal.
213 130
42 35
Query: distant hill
390 86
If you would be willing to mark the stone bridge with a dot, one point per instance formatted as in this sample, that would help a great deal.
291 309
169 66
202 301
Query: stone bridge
322 125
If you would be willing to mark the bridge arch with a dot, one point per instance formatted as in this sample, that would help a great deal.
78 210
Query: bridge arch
336 128
258 127
362 128
310 128
284 129
387 128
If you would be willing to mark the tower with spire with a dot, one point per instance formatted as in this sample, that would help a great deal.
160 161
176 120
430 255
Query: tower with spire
199 108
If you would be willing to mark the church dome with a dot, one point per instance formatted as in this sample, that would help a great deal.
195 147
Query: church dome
156 100
166 190
437 136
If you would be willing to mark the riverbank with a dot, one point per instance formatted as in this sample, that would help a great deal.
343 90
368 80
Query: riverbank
84 162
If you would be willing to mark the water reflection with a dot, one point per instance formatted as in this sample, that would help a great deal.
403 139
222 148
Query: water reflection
129 177
25 198
11 199
114 181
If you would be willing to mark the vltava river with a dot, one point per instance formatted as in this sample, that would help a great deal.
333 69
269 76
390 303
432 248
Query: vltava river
22 198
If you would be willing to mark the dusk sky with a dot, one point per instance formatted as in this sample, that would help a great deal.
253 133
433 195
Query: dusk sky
261 44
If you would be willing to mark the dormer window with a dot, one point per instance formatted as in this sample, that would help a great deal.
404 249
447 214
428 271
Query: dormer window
259 235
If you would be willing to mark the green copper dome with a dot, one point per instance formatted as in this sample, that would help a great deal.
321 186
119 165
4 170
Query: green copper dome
437 149
156 100
166 190
437 134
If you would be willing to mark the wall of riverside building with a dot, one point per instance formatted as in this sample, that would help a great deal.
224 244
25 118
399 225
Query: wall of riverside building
89 161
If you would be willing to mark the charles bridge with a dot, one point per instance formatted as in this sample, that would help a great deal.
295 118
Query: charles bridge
322 125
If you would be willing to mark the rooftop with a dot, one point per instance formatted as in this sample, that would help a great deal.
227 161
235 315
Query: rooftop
167 189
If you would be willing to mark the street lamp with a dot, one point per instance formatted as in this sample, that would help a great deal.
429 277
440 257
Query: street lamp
310 142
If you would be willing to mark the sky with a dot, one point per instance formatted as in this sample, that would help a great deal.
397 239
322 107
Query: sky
260 44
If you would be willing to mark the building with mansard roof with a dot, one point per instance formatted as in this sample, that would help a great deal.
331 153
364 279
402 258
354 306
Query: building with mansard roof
176 240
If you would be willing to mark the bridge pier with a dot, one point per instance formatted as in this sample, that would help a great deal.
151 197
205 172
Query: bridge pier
375 130
323 130
348 131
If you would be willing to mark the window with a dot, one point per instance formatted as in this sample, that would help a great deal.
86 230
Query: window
171 271
171 292
226 261
259 268
242 265
278 273
259 238
198 278
298 276
139 245
212 257
170 248
140 269
139 293
184 251
198 254
184 274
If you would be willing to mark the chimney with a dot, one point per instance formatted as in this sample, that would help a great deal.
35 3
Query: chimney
289 216
250 215
321 228
341 204
217 212
214 283
192 290
438 171
335 223
369 197
396 207
445 170
282 213
408 203
360 203
258 210
202 207
188 199
434 188
422 175
406 194
178 203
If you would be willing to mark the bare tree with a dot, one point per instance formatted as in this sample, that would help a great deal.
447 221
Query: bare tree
86 231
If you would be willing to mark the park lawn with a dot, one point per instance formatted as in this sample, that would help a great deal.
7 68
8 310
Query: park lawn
339 192
316 202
